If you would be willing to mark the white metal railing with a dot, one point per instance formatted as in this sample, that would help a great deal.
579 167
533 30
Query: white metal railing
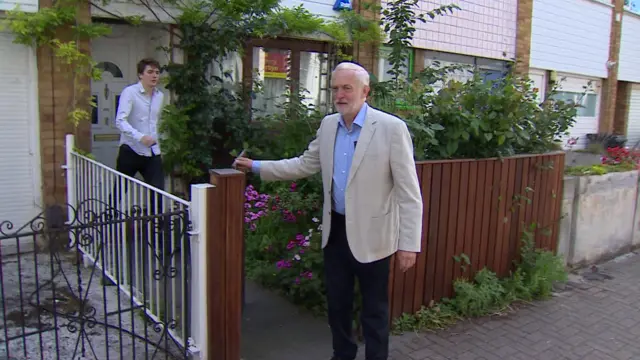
146 246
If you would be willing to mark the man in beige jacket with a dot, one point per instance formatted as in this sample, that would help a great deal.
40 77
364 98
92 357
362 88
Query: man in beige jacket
372 207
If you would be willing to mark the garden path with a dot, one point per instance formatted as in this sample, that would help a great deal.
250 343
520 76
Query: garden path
596 316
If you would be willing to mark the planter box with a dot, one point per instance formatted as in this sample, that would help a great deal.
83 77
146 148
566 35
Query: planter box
601 219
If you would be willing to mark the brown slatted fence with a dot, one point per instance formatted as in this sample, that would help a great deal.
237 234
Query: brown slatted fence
478 208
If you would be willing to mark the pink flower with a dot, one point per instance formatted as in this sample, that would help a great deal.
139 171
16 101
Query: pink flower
282 264
291 245
293 186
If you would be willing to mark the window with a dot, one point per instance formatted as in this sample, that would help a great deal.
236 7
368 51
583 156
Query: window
632 5
274 68
384 65
588 102
271 72
94 109
314 79
111 68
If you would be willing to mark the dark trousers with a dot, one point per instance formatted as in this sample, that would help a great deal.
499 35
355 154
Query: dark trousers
341 269
150 167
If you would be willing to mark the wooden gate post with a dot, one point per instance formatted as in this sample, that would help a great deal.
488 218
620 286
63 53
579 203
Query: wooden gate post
225 263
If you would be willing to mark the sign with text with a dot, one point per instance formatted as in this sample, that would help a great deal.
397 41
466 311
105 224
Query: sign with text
276 64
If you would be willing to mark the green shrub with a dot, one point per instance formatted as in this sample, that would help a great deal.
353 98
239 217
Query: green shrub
533 279
475 118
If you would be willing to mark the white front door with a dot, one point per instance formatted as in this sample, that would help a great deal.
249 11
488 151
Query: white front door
113 57
106 136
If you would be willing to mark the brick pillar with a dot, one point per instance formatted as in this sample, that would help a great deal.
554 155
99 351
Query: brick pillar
523 37
621 113
55 95
366 54
610 84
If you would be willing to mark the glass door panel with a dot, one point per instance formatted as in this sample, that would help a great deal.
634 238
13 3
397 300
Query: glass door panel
314 80
271 75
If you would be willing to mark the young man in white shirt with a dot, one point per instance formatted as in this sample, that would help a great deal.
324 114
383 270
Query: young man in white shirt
138 115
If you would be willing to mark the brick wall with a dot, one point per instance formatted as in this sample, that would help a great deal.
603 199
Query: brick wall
523 36
366 54
610 84
621 108
55 94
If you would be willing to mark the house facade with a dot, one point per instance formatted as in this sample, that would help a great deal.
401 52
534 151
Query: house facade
19 127
595 44
592 45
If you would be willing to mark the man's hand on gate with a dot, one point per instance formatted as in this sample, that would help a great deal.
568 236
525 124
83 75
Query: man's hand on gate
406 259
147 141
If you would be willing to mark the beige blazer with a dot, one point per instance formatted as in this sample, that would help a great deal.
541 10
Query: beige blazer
383 199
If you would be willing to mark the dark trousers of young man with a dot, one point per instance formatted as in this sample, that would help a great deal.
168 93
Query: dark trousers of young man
130 162
341 269
150 167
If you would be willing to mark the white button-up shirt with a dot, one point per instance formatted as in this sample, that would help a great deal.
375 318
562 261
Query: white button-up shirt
138 115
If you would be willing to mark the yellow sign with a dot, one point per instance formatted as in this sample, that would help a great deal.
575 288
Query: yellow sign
276 65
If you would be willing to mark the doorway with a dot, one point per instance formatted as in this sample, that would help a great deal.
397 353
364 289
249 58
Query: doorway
106 95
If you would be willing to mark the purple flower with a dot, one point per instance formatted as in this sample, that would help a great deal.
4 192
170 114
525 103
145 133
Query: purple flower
291 245
282 264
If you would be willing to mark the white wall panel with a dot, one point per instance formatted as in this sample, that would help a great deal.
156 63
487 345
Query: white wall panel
571 36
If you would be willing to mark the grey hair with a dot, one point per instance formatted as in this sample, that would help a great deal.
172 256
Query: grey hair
361 73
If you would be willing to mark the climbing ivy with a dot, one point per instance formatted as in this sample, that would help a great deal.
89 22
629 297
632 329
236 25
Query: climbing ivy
58 29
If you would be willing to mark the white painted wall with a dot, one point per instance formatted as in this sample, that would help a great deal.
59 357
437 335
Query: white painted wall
24 5
21 196
629 67
571 36
484 28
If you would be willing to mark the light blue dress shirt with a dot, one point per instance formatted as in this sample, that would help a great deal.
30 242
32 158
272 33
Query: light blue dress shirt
345 147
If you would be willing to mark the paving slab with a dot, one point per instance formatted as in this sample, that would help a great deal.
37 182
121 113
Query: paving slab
596 316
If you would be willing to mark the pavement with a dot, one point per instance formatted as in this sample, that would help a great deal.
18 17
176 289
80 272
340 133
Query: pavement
595 316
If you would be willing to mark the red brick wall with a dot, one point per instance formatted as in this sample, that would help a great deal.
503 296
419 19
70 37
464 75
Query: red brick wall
621 108
55 94
610 84
523 36
366 54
